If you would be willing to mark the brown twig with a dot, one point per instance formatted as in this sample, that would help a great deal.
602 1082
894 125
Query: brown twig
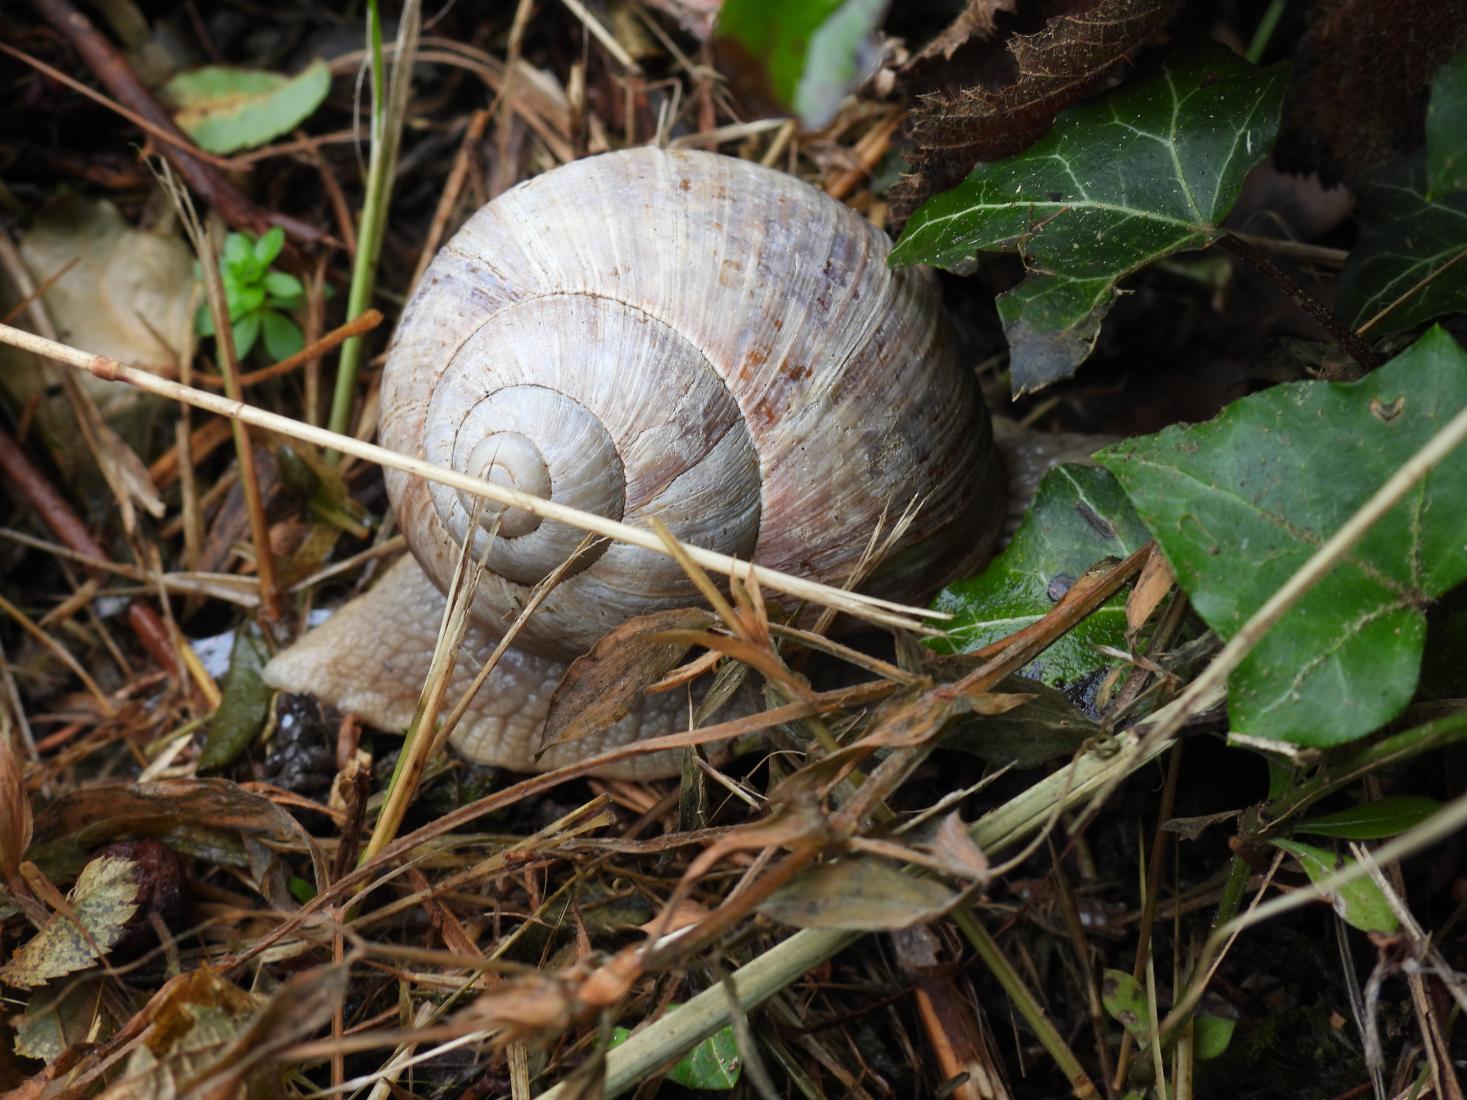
1350 343
112 69
365 322
67 526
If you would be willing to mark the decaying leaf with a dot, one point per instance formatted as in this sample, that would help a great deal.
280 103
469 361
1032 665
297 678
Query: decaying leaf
858 893
211 819
103 901
15 814
1038 75
601 686
127 293
54 1020
975 23
1358 95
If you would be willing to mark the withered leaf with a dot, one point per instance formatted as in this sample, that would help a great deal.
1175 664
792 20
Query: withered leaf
210 819
602 686
103 900
1046 71
1361 75
15 813
859 894
975 22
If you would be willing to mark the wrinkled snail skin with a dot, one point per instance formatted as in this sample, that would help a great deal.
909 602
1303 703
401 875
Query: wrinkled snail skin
672 334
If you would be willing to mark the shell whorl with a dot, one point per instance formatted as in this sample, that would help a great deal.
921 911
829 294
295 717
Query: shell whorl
693 337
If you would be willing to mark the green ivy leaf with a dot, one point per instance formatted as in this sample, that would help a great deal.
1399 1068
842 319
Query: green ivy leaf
1446 128
713 1064
805 55
1376 820
1239 503
1409 262
1079 517
225 109
1360 904
1119 182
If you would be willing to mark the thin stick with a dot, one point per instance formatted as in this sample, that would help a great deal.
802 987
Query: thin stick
1350 343
366 322
870 608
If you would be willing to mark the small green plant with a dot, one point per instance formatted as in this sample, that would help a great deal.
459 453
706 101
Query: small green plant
260 299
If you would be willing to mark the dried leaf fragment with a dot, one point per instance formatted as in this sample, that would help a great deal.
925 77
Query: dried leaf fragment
103 901
1069 57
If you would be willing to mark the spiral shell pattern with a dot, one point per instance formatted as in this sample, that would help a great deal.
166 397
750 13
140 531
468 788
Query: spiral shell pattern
692 337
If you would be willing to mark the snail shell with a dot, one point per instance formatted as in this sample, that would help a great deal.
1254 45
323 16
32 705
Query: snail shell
681 335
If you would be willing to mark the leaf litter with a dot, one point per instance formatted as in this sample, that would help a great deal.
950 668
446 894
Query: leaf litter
554 912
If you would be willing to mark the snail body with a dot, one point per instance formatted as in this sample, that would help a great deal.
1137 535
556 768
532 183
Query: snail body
667 334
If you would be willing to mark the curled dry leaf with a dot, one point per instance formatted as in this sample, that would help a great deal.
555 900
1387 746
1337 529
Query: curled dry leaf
601 687
859 894
211 819
1042 73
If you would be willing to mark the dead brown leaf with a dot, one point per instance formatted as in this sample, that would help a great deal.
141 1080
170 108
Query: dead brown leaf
1150 589
1030 79
601 686
15 814
1357 98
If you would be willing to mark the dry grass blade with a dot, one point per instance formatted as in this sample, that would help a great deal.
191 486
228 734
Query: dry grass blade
869 608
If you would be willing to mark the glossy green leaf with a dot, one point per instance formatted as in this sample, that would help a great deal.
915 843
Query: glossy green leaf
225 109
1360 904
244 708
1446 128
1239 504
1385 817
1080 516
804 55
1125 1002
1409 263
1120 181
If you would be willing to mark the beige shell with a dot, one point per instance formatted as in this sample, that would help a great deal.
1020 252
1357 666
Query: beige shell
692 337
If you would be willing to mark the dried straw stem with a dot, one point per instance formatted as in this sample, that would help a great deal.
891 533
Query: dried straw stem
870 608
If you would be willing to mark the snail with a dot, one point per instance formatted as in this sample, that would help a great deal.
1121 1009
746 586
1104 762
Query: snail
651 333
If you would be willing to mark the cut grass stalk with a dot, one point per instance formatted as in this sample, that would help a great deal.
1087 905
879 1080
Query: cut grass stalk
389 107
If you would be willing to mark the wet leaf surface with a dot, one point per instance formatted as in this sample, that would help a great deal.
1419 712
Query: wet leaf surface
1239 503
